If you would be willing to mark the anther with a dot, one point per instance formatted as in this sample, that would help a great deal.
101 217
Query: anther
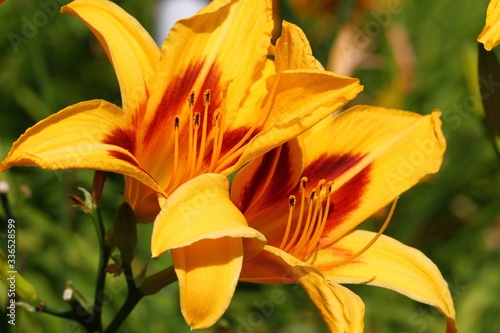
303 183
320 185
176 123
173 175
191 99
196 120
292 202
207 96
215 117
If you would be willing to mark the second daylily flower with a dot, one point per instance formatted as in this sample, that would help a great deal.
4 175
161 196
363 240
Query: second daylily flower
307 196
205 105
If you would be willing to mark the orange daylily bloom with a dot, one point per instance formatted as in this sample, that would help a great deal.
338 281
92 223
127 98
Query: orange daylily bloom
490 35
192 113
307 196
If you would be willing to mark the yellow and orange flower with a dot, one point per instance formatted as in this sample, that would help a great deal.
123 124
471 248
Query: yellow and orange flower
490 35
192 113
307 196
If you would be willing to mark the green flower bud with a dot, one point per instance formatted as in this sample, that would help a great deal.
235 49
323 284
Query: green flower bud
125 230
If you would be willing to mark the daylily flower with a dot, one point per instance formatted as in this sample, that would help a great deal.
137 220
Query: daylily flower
307 196
490 36
192 113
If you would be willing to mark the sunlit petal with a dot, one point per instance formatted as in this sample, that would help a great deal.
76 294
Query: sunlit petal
293 50
78 138
129 47
199 209
389 264
341 309
372 155
208 272
299 99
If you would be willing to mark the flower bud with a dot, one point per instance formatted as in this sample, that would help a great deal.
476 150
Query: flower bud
125 230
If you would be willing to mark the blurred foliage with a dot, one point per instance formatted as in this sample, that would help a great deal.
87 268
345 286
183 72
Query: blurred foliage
453 216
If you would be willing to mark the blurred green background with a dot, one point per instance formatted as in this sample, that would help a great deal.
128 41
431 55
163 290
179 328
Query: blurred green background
421 56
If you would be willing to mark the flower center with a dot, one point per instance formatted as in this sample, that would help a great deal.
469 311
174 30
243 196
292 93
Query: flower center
201 139
311 219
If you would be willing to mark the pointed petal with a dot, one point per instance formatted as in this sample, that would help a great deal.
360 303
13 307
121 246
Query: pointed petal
293 50
224 45
372 155
389 264
208 272
200 209
89 135
298 100
490 36
225 41
129 47
341 309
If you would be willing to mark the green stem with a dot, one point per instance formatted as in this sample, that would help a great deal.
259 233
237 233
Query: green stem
127 307
105 252
151 285
129 277
67 314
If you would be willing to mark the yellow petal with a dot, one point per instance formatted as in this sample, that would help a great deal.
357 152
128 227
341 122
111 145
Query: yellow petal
372 155
208 272
389 264
490 36
225 41
129 47
199 209
298 100
341 309
224 45
293 50
88 135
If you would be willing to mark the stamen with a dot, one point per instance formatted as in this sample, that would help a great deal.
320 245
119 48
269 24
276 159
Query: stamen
192 160
204 131
379 233
311 224
319 230
307 225
303 185
215 149
173 175
291 204
191 101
